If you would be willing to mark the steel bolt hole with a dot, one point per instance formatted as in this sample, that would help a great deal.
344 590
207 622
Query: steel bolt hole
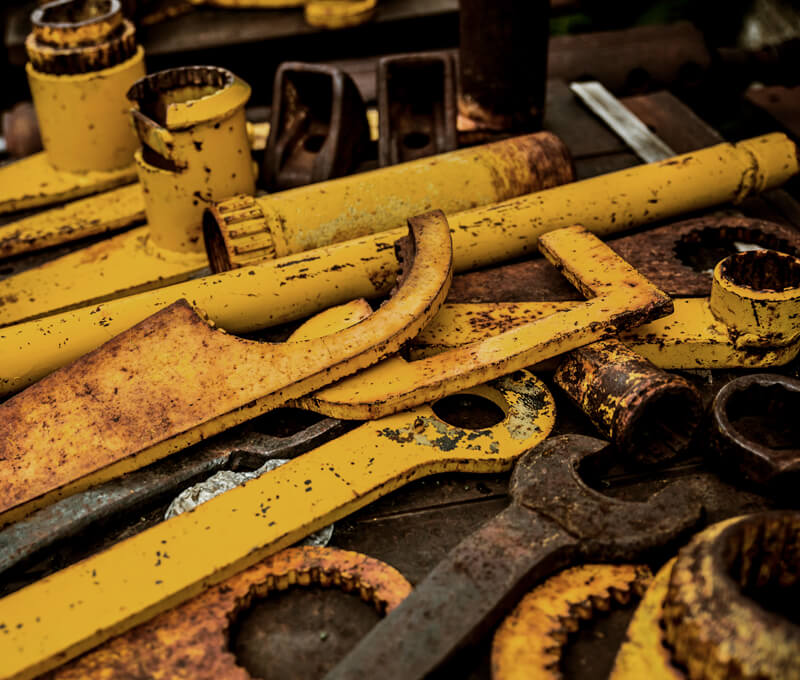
468 411
300 633
664 427
416 140
314 143
767 415
763 270
703 248
764 560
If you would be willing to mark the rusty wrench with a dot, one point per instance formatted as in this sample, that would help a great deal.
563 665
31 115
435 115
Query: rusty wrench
68 517
554 519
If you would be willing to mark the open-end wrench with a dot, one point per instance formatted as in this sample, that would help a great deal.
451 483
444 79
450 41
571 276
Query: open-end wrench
72 515
554 519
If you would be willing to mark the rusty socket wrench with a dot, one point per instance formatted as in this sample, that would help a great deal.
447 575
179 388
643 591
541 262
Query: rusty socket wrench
650 414
755 428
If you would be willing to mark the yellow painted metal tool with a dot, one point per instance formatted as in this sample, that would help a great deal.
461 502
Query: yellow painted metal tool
195 150
529 642
715 332
192 641
246 230
174 380
187 162
249 231
296 286
83 58
72 611
619 299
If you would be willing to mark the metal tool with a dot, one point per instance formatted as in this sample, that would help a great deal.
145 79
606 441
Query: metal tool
191 124
755 429
416 106
83 605
319 126
193 640
618 298
650 415
529 642
83 58
174 380
241 301
634 132
554 519
721 607
118 498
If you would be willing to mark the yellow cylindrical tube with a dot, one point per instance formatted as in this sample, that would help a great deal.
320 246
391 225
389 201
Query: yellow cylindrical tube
195 149
84 118
248 230
277 291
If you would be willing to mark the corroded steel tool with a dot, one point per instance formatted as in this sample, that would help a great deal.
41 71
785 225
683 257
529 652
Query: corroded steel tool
529 642
118 498
83 58
416 106
193 640
318 129
755 430
554 519
723 607
174 380
79 607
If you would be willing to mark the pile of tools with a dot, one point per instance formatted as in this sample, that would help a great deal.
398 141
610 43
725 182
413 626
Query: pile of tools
137 370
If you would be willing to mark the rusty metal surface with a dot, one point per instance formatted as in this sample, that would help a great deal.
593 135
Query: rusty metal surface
79 36
727 610
675 257
755 429
502 65
173 380
781 103
193 640
416 106
554 519
650 414
113 501
530 641
319 126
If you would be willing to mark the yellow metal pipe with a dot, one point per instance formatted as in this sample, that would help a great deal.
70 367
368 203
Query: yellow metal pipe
80 68
294 287
246 230
195 150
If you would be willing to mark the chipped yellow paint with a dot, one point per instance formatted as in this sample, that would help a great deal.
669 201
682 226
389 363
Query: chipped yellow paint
173 380
339 13
619 299
757 294
690 337
643 653
529 641
108 211
70 612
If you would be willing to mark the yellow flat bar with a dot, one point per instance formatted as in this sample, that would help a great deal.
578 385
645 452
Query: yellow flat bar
65 614
172 381
108 211
690 337
31 182
620 298
122 265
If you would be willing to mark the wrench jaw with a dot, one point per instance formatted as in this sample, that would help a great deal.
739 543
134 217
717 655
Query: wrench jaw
548 481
